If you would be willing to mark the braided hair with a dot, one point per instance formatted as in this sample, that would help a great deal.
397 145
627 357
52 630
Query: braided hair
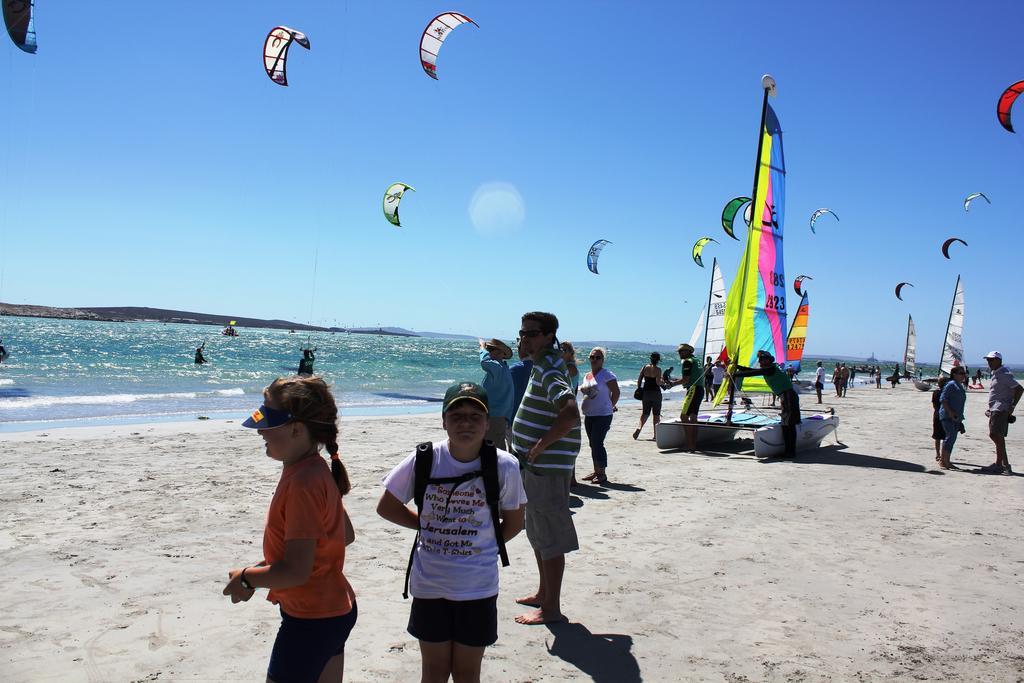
309 400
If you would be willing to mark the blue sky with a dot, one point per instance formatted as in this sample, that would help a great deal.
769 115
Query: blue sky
149 161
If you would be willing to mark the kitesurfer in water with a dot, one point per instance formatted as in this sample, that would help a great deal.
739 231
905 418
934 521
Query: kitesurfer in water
306 362
782 387
200 358
3 351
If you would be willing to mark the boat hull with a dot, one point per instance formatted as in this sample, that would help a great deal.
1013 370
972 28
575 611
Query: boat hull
712 429
768 441
923 385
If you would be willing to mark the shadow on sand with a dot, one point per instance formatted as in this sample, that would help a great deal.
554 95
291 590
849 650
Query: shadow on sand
836 454
604 657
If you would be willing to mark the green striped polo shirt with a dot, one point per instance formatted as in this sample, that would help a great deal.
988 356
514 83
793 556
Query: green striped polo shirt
549 388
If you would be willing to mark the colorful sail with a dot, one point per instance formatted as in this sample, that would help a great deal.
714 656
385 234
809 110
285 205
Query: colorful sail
798 335
910 353
953 348
714 336
755 314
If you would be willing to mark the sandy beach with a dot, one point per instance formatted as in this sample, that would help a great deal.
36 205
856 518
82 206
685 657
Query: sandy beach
856 562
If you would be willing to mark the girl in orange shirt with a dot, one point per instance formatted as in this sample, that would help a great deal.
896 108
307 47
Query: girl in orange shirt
306 533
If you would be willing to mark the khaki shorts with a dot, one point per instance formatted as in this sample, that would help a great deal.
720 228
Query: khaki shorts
548 519
998 425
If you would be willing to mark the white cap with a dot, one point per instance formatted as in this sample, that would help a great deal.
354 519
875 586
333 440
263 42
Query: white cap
994 354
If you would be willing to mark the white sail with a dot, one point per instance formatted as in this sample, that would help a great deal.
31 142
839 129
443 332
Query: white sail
698 329
714 340
910 354
953 349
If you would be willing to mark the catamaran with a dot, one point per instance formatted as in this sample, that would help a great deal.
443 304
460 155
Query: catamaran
755 311
953 345
672 433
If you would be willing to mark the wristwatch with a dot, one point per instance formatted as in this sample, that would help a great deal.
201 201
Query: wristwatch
245 584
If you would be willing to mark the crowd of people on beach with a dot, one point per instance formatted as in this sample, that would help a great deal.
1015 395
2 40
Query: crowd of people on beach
507 464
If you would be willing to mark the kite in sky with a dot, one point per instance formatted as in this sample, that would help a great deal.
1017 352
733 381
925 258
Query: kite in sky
729 215
971 197
947 243
818 214
1006 101
392 197
594 253
435 34
19 16
275 51
899 288
798 281
698 249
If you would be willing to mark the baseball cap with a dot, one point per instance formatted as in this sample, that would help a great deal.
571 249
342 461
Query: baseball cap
464 391
267 418
994 354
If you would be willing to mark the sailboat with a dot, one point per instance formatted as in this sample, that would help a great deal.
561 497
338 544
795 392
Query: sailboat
756 312
953 345
755 309
672 433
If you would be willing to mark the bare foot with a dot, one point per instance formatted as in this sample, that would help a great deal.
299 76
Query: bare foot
530 600
539 616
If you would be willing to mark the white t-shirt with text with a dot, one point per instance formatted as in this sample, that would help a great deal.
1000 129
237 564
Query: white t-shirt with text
457 554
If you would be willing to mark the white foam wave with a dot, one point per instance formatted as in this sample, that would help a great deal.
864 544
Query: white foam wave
26 402
6 382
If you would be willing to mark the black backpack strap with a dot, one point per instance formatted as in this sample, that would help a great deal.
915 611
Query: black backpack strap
421 476
492 490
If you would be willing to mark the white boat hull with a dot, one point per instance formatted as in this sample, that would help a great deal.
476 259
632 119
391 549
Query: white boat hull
711 429
768 441
923 385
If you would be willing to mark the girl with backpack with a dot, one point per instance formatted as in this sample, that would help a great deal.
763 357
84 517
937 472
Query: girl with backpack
306 533
470 501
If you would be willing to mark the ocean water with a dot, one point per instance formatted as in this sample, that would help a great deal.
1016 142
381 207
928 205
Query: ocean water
74 372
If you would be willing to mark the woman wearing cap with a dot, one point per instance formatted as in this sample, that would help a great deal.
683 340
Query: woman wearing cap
600 391
453 575
952 402
649 382
305 536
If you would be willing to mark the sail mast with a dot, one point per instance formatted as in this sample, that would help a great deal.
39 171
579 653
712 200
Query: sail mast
707 319
906 347
754 216
945 337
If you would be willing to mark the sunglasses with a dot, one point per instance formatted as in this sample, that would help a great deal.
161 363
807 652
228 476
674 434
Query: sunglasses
529 334
596 357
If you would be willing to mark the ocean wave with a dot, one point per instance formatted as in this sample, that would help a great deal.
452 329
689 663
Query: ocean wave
27 402
6 382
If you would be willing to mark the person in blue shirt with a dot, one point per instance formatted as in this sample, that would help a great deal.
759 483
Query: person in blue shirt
500 390
520 372
952 401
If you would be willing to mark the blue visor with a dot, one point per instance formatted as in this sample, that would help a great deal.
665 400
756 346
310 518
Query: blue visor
267 418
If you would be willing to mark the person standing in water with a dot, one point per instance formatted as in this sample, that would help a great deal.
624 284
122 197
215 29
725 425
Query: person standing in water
306 362
200 358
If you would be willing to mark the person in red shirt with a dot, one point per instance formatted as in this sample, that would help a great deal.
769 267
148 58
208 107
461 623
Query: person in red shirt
306 533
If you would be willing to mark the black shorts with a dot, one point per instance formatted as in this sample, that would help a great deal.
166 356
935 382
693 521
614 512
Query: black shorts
304 646
937 431
789 415
698 396
473 623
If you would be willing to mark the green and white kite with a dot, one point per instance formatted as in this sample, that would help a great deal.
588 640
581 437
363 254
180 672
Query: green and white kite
392 197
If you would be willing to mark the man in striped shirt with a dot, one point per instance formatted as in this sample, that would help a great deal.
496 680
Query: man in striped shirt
546 439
